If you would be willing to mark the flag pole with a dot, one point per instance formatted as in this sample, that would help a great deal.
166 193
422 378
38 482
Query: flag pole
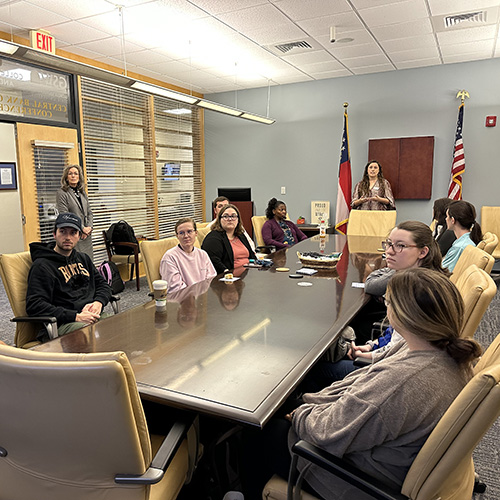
463 94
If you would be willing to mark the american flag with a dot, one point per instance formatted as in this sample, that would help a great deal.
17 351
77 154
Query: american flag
345 183
458 165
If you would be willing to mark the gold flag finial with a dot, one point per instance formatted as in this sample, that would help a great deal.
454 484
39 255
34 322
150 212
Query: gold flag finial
345 105
463 94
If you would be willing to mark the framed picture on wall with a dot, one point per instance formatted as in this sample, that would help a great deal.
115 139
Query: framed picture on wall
8 176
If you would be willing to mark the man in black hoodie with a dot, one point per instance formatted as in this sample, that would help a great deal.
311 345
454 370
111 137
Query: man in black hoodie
64 283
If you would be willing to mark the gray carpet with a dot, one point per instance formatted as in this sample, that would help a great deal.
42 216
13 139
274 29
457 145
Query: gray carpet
487 454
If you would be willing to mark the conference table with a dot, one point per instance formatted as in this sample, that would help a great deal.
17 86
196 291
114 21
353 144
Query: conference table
236 350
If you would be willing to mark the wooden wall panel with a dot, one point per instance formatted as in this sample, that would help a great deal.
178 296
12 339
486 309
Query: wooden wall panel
407 164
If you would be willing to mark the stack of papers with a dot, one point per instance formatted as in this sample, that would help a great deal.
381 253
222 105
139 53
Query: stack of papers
307 271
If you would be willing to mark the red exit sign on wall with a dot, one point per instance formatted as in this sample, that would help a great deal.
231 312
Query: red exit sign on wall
42 40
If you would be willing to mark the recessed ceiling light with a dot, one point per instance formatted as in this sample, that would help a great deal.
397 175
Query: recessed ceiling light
177 111
345 40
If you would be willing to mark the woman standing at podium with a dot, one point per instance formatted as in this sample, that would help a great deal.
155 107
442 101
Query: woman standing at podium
373 192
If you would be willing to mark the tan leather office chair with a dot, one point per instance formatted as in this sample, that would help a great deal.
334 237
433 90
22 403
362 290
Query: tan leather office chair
14 269
152 252
490 222
477 289
131 260
443 468
73 427
472 255
489 242
202 232
258 222
371 222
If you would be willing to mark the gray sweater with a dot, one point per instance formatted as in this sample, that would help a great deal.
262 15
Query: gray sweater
379 417
376 282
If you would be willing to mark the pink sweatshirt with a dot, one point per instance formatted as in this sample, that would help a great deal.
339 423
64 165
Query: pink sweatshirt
180 269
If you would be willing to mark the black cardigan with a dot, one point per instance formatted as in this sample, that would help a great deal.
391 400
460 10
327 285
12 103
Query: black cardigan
218 247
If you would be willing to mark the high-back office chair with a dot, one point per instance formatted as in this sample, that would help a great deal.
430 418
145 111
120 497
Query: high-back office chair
443 468
133 259
73 427
490 222
371 222
202 232
14 270
489 243
152 252
477 290
472 255
258 222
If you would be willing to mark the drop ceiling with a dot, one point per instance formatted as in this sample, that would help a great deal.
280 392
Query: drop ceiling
211 46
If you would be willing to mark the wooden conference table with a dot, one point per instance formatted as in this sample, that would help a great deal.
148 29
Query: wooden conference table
234 350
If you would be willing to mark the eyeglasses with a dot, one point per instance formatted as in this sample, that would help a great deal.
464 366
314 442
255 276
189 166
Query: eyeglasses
189 232
229 217
397 247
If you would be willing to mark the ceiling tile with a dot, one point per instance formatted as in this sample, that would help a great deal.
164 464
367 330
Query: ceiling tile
321 67
402 30
109 22
414 42
346 21
175 68
308 57
145 57
440 7
254 18
30 16
485 47
282 80
272 35
349 51
364 4
221 6
357 62
403 11
331 74
418 63
379 68
411 55
74 32
467 35
458 58
77 10
308 9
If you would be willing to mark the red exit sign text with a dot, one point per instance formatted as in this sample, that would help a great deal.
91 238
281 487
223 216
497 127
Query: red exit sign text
44 41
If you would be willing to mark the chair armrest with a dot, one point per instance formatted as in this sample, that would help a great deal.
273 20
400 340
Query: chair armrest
265 249
163 457
346 471
114 303
50 323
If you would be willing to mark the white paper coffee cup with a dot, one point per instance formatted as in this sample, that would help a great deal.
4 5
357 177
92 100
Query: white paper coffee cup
160 288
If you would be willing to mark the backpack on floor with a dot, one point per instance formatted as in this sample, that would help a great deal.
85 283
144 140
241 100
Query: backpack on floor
109 271
122 232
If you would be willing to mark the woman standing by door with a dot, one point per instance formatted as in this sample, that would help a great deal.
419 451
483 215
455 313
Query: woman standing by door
71 197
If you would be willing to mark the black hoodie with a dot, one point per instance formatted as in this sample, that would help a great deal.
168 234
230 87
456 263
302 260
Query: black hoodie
61 286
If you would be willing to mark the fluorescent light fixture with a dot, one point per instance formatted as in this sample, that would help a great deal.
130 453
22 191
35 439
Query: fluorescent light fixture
52 144
7 48
171 94
220 108
177 111
257 118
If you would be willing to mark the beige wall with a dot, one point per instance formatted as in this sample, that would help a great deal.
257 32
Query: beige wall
10 206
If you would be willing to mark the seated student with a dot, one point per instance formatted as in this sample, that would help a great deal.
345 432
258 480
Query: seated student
410 244
277 230
185 264
443 236
379 417
64 283
461 219
217 204
226 244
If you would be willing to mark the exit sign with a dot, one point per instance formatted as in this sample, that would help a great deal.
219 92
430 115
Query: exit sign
44 41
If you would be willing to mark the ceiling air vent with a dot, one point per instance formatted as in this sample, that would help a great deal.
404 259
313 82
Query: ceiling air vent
287 47
293 47
474 17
